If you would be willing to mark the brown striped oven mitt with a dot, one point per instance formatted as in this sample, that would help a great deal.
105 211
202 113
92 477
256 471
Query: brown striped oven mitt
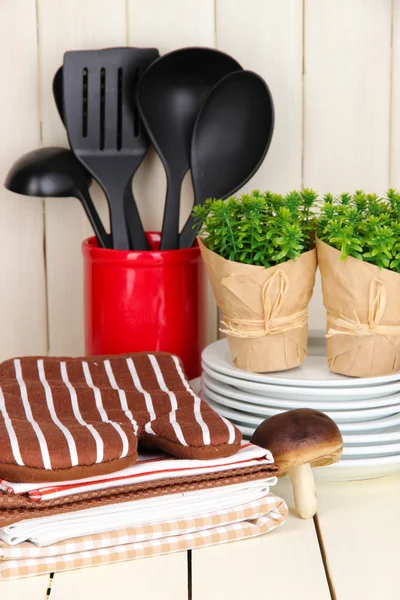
70 418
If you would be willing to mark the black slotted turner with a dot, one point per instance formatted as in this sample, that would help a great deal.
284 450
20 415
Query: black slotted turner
104 129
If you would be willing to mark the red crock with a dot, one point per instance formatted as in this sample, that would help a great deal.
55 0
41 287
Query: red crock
145 301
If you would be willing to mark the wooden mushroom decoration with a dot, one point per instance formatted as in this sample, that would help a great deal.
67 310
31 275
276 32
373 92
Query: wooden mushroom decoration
300 439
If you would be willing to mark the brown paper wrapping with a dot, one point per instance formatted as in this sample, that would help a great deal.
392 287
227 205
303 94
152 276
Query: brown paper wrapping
265 310
363 315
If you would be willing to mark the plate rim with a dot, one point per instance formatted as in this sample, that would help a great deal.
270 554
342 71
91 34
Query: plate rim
338 404
341 414
346 382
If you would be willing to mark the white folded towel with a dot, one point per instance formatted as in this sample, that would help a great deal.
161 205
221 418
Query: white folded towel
43 531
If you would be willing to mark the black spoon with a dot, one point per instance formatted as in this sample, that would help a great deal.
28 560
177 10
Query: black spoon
169 95
231 137
55 172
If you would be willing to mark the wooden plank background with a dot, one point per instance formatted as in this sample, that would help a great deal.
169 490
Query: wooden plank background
333 69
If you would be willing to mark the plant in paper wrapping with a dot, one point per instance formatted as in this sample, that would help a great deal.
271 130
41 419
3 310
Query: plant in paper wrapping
260 258
358 249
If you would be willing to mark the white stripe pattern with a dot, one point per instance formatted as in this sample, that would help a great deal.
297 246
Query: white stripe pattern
172 397
121 394
11 432
102 412
139 387
77 413
28 412
231 429
50 405
197 404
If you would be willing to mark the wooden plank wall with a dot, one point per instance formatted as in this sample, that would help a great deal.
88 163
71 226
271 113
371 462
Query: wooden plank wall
332 66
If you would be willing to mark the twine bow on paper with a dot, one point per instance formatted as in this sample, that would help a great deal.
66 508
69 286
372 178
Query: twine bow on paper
376 308
271 323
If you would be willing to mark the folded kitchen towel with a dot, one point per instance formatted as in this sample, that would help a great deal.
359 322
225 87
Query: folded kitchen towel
43 531
154 466
14 509
71 418
225 525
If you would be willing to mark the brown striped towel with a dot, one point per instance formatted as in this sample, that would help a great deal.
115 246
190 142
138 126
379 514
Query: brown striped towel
70 418
14 509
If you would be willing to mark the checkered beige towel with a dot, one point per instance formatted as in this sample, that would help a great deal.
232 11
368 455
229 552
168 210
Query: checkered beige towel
249 520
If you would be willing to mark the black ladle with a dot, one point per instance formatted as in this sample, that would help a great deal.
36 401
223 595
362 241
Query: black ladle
58 99
58 92
169 95
231 137
55 172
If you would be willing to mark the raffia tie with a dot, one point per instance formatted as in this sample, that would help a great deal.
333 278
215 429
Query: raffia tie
376 308
272 323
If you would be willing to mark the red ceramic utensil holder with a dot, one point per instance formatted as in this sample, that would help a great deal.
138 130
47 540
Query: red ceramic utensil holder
145 301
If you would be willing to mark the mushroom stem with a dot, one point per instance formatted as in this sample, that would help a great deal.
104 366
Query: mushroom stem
305 496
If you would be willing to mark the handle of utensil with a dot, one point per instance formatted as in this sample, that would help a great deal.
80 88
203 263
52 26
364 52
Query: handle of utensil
137 236
170 226
115 193
188 233
95 221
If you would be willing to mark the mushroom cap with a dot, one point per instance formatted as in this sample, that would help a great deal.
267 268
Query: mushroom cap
298 437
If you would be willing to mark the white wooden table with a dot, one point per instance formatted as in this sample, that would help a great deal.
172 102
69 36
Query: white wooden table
351 551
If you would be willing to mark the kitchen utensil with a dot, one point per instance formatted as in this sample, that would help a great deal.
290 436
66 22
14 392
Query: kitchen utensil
286 392
339 416
58 99
169 95
313 401
314 372
55 172
105 131
231 136
58 92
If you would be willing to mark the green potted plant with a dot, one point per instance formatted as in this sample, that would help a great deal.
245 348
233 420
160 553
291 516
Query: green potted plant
358 246
260 258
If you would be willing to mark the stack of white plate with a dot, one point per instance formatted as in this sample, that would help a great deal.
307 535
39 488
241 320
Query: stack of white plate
367 410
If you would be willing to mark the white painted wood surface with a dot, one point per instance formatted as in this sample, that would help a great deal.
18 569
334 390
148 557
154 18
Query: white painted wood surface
283 564
31 588
394 170
361 532
151 578
347 59
22 272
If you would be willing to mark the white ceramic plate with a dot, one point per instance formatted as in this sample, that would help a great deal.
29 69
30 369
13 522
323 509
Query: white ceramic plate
380 438
339 416
349 452
356 469
313 372
286 392
311 402
352 426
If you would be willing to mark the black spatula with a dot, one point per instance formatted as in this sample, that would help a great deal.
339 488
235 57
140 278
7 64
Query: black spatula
231 137
105 131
